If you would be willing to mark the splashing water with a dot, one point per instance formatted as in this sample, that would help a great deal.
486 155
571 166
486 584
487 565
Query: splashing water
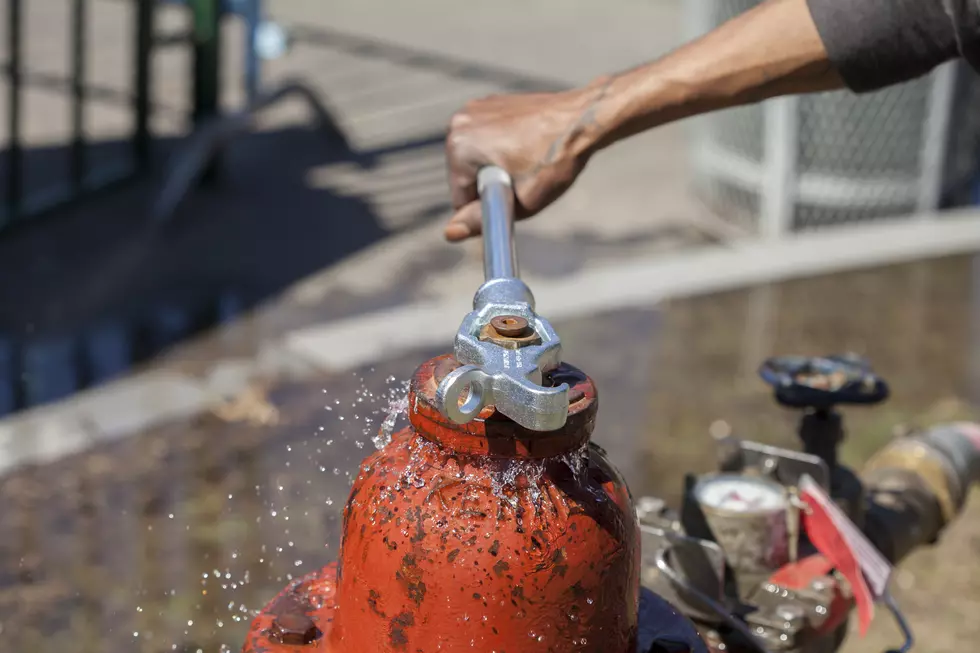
397 407
577 460
505 475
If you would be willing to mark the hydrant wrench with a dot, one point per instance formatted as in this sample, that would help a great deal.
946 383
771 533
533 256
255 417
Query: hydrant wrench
505 348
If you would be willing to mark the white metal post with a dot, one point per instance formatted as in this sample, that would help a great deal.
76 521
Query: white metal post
974 343
779 188
935 138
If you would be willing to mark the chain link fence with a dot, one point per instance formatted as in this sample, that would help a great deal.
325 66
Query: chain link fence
822 160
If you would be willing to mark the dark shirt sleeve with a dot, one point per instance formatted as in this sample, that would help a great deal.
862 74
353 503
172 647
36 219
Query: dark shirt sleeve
877 43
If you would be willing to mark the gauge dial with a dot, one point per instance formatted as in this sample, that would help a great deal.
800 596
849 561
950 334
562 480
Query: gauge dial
740 494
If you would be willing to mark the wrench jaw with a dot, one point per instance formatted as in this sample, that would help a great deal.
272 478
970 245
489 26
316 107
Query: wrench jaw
532 406
509 379
508 294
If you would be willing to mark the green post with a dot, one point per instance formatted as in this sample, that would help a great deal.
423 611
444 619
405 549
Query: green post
207 67
143 83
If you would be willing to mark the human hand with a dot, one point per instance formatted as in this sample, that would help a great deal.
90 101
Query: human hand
543 140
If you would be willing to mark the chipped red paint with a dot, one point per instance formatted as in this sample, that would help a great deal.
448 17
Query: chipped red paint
312 595
481 538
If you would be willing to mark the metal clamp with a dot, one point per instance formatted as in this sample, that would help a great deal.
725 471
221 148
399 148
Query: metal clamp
506 349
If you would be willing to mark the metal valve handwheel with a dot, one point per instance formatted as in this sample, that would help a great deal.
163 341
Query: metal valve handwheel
823 382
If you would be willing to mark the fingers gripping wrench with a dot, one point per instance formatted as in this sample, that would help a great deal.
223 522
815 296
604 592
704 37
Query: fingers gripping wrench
507 374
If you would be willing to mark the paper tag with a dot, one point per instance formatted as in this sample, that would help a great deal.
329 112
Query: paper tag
844 545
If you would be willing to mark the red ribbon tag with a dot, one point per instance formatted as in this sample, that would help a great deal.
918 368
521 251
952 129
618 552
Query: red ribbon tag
840 541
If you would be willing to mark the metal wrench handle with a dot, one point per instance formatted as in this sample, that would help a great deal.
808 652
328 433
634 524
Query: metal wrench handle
509 378
497 205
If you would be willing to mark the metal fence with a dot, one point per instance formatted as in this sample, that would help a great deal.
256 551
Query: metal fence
53 82
25 198
21 202
822 160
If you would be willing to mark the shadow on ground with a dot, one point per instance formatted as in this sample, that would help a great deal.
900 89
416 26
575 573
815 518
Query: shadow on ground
93 288
97 286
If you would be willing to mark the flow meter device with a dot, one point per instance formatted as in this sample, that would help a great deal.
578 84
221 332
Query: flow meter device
748 517
740 496
775 550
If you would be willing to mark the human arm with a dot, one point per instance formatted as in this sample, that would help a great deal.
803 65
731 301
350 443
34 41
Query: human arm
780 47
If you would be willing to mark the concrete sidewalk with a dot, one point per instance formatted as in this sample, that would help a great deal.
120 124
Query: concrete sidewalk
286 341
399 71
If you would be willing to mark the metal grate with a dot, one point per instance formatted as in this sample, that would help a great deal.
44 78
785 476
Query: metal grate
832 158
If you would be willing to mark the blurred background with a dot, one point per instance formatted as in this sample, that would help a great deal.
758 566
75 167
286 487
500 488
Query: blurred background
221 258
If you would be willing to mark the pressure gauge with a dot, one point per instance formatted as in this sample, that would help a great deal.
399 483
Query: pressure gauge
738 494
748 517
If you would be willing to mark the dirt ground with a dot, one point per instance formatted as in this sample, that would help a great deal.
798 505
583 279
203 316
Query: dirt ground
913 324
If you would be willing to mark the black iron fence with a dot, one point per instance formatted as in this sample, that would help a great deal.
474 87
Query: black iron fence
76 322
38 367
86 176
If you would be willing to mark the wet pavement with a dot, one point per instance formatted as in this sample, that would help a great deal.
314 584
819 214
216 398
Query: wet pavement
167 540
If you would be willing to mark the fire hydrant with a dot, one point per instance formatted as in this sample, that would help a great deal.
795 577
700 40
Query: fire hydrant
492 523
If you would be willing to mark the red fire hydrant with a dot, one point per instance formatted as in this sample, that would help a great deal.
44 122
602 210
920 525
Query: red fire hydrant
491 524
479 537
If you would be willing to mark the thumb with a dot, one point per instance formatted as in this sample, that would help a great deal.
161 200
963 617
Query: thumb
465 223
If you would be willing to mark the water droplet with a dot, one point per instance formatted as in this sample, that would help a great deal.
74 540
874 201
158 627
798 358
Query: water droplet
397 406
